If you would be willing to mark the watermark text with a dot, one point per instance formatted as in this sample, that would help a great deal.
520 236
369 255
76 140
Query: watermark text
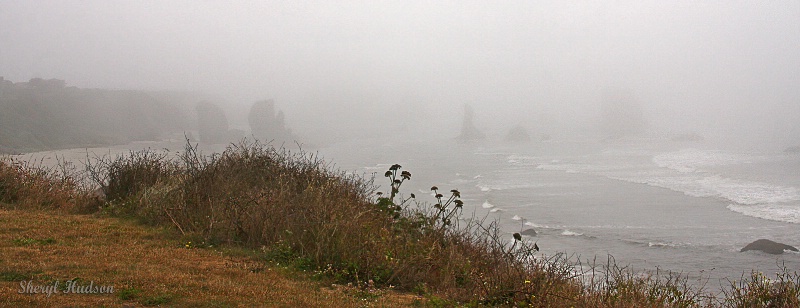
68 287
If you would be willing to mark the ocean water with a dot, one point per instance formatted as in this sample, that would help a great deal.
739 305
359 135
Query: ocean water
650 205
685 208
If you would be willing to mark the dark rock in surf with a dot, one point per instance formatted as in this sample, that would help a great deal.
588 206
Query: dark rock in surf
529 232
768 247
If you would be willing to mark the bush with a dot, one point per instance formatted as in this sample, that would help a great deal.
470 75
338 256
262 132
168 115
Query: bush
760 291
24 186
258 196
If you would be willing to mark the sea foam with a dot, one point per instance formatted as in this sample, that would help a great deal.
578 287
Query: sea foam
777 212
570 233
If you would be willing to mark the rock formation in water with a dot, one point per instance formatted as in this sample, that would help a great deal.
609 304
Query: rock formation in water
468 130
518 134
212 123
529 232
768 247
266 124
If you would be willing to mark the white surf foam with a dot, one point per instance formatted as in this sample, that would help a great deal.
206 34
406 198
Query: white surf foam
486 187
692 172
750 198
487 205
735 190
570 233
522 160
777 212
662 244
537 226
748 192
690 160
578 168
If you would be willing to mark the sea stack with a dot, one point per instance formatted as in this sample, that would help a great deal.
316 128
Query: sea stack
212 123
468 130
267 123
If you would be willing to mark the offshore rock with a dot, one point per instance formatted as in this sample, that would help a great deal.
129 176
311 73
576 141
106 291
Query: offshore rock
768 247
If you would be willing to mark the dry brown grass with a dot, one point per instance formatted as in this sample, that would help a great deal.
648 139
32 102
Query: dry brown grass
47 246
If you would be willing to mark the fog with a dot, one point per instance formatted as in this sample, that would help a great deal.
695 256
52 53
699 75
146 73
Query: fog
344 69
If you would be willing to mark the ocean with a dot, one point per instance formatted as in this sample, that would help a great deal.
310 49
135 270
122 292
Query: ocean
686 208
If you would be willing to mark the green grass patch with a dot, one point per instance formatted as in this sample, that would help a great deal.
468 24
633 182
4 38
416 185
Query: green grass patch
26 241
128 293
14 276
157 300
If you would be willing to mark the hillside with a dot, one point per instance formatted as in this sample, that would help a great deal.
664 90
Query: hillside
46 114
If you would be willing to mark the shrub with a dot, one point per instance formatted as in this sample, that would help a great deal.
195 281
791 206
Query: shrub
758 290
292 204
25 186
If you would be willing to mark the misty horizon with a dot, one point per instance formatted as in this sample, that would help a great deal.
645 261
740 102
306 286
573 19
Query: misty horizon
728 71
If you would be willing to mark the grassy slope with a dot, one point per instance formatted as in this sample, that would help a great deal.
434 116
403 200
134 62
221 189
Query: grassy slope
148 266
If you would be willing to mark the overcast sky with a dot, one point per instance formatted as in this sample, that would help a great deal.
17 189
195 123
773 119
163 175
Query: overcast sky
714 67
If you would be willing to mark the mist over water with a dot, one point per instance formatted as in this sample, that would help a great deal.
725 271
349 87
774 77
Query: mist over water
663 133
350 69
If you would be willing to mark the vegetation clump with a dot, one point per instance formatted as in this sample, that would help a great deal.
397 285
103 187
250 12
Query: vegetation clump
27 186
